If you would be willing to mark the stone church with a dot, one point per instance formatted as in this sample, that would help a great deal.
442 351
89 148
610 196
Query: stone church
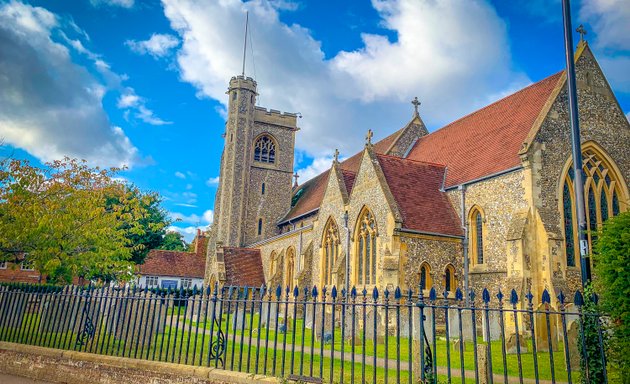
488 196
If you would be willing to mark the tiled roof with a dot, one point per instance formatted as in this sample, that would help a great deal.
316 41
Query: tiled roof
173 263
486 141
243 267
313 189
416 188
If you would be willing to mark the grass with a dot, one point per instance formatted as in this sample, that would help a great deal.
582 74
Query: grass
184 341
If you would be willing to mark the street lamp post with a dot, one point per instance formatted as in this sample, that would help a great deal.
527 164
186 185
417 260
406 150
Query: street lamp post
345 220
576 146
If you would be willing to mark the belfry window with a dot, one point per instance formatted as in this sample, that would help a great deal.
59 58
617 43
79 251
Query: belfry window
602 191
265 150
330 245
476 236
260 226
365 265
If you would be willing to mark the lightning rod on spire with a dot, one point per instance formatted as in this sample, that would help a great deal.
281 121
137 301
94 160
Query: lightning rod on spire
245 44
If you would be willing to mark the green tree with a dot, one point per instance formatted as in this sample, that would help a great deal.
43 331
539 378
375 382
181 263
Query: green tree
174 241
60 218
153 223
612 280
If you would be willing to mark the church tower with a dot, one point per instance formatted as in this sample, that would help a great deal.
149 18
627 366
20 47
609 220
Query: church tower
256 168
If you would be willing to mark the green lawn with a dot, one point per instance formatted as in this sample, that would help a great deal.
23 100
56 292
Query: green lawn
175 345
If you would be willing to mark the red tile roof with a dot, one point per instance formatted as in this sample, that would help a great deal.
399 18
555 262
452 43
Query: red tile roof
173 263
486 141
416 188
313 190
243 267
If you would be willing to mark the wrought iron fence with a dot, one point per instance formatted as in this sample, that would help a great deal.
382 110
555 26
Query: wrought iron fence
312 335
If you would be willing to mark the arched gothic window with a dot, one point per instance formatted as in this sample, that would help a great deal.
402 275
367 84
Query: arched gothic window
265 150
424 276
603 191
365 265
476 236
290 265
330 245
450 284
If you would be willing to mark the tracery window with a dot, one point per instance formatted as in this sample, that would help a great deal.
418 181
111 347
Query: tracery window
330 245
425 276
265 150
603 190
290 265
476 236
365 265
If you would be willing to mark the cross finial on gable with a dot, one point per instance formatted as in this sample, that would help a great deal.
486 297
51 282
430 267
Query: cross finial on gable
368 138
296 176
416 103
581 31
336 156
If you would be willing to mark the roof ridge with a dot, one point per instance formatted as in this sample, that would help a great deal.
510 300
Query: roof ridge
412 160
492 104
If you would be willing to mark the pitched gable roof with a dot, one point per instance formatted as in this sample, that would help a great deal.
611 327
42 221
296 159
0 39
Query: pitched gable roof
487 141
312 191
243 267
173 263
415 187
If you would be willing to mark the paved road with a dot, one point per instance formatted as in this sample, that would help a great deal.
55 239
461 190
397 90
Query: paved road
7 379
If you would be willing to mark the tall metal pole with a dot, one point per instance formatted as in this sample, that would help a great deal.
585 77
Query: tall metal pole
345 219
245 45
576 146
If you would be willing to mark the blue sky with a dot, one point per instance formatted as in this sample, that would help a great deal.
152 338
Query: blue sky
142 83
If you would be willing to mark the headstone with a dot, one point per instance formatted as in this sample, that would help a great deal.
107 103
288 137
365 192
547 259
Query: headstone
482 363
196 307
136 319
374 317
11 307
308 320
237 322
68 311
492 330
456 345
428 325
327 325
270 313
573 337
466 323
541 330
511 347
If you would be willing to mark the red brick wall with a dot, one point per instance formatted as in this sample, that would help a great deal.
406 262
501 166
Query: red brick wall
13 273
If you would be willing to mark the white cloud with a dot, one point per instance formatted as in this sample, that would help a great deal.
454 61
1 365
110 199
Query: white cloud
206 218
158 45
50 106
212 181
130 101
435 57
180 175
317 166
611 28
113 3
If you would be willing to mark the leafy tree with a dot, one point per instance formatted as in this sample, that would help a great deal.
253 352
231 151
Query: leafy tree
174 241
62 219
153 223
612 271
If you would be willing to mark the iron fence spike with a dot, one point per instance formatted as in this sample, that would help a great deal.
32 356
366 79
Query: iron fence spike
485 295
546 299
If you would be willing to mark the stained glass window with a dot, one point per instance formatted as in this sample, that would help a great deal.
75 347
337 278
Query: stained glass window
366 252
599 176
568 224
265 150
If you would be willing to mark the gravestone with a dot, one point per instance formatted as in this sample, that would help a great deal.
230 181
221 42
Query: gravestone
418 342
327 325
12 310
196 307
372 315
466 322
269 309
482 364
136 324
510 344
236 321
67 311
493 330
545 333
308 320
573 337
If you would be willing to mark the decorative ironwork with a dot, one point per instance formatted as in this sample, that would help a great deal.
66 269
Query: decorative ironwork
218 346
88 330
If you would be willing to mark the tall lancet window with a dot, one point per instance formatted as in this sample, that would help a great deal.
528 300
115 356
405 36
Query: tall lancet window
365 265
330 245
605 195
265 150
